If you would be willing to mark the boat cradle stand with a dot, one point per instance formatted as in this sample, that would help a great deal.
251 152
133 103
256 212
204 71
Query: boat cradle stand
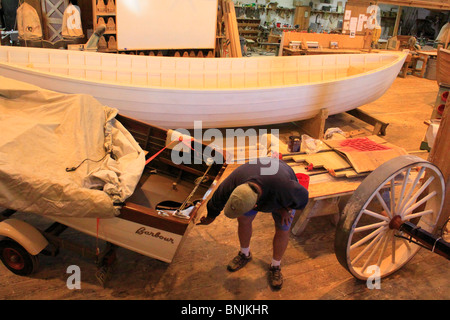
379 127
315 127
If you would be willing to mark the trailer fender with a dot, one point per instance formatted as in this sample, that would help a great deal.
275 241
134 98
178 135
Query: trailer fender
25 234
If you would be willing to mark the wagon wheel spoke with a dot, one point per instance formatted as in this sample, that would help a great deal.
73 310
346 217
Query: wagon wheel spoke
383 250
418 203
405 200
383 204
375 249
376 215
392 187
412 199
418 214
393 249
378 234
402 192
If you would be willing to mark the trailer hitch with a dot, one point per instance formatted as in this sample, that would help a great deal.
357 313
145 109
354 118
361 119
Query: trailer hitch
421 237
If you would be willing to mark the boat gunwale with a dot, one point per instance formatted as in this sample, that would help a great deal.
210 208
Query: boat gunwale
400 55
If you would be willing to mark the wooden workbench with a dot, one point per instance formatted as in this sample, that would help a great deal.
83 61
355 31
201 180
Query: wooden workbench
293 52
327 196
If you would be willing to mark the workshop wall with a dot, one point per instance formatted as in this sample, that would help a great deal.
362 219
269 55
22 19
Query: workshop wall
324 15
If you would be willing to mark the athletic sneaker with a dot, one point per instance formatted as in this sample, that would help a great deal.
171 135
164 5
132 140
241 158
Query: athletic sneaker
239 261
275 277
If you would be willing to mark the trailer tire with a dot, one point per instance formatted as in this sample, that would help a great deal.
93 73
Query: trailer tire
18 260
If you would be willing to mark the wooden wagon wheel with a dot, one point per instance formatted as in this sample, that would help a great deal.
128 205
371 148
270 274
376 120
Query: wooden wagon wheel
407 188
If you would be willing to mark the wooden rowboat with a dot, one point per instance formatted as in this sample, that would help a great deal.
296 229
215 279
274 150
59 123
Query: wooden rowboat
174 92
147 223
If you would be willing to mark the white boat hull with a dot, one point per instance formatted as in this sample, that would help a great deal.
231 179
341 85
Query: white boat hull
262 91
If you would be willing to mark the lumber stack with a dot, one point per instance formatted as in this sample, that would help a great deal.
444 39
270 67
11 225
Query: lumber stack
231 29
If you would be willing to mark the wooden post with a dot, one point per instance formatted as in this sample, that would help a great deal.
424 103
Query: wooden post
315 126
397 21
448 39
439 156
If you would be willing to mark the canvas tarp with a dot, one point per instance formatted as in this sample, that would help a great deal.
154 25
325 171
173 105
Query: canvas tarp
42 133
71 27
28 22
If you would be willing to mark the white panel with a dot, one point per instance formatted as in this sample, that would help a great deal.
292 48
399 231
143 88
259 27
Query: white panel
182 67
237 69
251 73
39 57
168 73
211 73
224 70
76 60
168 24
58 58
196 73
264 73
19 57
3 55
154 72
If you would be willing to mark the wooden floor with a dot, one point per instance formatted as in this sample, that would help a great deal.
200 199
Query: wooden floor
310 267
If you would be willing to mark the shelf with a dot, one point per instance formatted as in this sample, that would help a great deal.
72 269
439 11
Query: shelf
248 25
248 31
321 11
264 8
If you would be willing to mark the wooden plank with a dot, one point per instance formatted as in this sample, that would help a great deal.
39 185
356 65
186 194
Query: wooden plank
334 188
228 33
234 30
346 173
366 154
397 22
427 4
330 160
439 156
379 126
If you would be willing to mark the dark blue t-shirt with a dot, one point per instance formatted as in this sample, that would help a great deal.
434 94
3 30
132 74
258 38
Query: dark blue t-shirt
279 190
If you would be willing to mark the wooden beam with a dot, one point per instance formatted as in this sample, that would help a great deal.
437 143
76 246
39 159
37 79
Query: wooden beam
397 21
430 4
447 40
315 127
439 156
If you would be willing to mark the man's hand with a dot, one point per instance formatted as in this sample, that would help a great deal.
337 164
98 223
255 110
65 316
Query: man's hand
205 220
286 216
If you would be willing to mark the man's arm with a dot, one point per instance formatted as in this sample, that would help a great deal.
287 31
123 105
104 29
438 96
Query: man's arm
217 202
